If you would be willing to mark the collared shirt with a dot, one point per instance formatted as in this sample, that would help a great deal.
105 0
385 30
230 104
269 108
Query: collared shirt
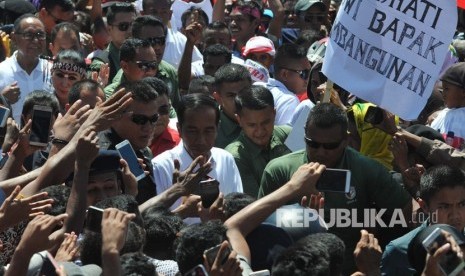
175 44
117 80
39 79
166 141
285 101
228 131
108 139
224 170
251 159
110 56
370 183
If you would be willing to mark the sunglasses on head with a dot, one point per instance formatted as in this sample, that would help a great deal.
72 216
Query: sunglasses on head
141 120
302 73
161 40
147 65
164 110
123 26
326 146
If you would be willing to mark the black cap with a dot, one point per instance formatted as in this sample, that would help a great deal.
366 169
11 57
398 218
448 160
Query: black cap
455 75
106 161
424 131
18 6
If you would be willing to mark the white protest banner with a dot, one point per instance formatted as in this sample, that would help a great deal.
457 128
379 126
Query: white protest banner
390 52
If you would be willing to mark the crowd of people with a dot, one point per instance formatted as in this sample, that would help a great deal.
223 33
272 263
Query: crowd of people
210 96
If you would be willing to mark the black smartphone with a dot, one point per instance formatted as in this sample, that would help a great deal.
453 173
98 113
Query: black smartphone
41 123
49 265
334 180
208 190
374 115
211 254
4 114
198 270
94 219
127 153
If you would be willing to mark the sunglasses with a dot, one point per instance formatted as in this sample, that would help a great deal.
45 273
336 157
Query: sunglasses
56 19
141 120
161 40
147 65
326 146
302 73
312 17
123 26
30 36
164 110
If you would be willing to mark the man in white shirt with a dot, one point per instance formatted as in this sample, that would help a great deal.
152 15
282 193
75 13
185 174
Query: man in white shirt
198 117
292 70
24 72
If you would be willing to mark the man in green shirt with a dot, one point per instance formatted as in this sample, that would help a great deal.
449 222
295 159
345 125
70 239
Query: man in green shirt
260 140
230 79
371 184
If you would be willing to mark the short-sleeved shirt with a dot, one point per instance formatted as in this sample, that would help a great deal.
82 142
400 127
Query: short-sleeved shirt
228 131
166 141
370 183
251 159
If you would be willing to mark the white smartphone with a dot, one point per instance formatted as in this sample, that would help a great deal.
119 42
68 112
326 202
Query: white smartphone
265 272
41 123
4 114
334 180
127 153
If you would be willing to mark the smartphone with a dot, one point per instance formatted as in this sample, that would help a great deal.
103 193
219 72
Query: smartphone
265 272
4 114
208 190
374 115
211 254
49 266
198 270
94 219
127 153
41 123
450 263
334 180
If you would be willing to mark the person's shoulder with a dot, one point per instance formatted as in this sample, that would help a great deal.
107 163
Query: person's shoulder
282 130
219 152
400 245
165 66
166 157
287 160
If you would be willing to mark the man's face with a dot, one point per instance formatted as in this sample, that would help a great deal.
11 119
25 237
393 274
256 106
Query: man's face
158 38
212 64
164 115
121 29
62 81
312 19
454 96
160 9
144 65
102 186
326 145
92 97
290 16
65 41
199 131
449 205
226 93
138 128
262 58
257 125
242 25
101 39
295 75
222 37
54 16
30 40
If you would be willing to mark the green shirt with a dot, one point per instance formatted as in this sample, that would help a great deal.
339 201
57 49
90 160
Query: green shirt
117 80
370 183
251 159
228 131
111 57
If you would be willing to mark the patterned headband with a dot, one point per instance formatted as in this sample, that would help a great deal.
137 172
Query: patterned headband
69 67
255 12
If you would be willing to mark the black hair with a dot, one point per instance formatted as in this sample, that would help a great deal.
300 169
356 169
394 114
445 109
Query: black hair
119 7
98 25
336 250
252 4
83 21
199 84
40 97
85 84
60 195
129 47
160 86
71 55
65 27
256 98
144 3
137 264
190 11
439 177
162 228
194 240
217 26
141 91
146 20
65 5
327 115
17 23
196 102
218 50
234 202
288 53
232 72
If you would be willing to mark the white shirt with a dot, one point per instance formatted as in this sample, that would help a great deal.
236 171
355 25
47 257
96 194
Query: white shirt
304 106
224 169
450 120
39 79
175 44
197 66
285 102
179 7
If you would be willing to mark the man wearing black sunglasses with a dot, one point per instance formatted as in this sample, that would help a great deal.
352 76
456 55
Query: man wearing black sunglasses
53 12
372 186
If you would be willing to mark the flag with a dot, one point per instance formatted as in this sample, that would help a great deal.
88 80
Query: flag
461 4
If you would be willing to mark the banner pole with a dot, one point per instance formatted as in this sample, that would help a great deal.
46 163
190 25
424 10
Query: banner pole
327 94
